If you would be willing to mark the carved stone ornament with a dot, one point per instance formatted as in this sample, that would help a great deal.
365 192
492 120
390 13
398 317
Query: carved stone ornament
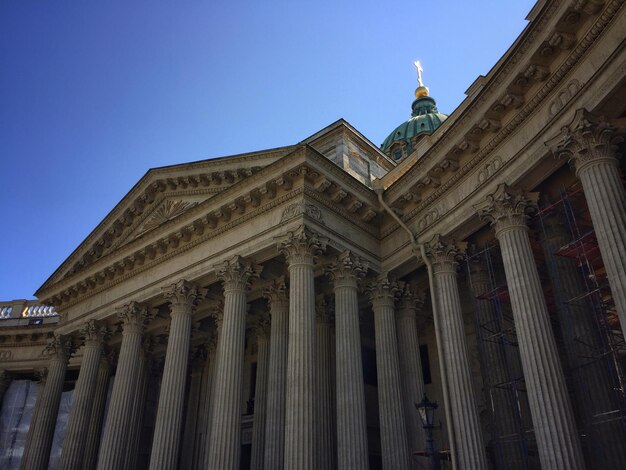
444 253
277 294
324 309
347 267
507 208
41 375
216 312
383 291
260 325
94 332
60 347
302 246
302 208
183 294
134 316
409 302
167 211
588 140
237 273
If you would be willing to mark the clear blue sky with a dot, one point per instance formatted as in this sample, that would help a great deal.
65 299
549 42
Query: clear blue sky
94 93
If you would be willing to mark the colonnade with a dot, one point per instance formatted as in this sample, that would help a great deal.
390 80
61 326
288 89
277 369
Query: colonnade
290 431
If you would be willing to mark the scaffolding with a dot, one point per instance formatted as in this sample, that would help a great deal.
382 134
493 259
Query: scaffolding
512 439
593 341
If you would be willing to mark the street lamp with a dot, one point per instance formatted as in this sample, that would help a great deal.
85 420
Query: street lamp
426 409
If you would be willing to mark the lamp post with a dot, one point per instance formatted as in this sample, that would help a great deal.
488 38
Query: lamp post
426 409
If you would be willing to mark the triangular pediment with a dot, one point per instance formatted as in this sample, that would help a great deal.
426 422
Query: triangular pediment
161 196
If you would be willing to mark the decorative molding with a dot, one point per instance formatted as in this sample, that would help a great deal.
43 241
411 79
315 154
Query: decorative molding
170 209
488 170
302 208
565 96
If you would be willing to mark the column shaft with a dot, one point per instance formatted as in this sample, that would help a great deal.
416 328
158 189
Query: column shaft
606 199
300 404
410 368
41 432
193 412
553 420
352 450
260 402
119 417
277 378
204 438
325 407
136 426
82 404
394 443
504 403
94 431
225 445
592 385
169 420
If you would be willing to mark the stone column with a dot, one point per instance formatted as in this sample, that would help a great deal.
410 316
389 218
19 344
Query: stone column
345 271
592 384
93 334
590 143
277 376
183 297
206 399
504 405
410 365
467 431
553 420
300 248
324 379
136 427
393 438
41 431
225 445
119 417
262 329
193 413
96 419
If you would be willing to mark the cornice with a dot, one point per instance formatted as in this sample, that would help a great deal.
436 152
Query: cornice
551 84
483 114
250 198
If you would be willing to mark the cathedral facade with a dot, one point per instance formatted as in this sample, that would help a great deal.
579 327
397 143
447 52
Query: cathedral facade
286 308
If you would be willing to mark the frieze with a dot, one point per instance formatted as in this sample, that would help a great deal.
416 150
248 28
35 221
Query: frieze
488 170
5 355
302 208
564 97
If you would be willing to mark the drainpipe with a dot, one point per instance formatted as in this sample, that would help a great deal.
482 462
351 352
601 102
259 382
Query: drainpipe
419 247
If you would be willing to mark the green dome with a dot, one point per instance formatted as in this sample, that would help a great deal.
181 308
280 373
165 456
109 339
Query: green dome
425 119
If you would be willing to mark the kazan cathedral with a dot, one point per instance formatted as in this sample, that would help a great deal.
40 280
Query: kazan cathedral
449 300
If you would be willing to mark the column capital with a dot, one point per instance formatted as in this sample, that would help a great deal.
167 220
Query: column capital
588 140
60 347
301 246
216 312
237 273
134 316
444 253
277 294
346 269
507 208
93 333
324 309
410 302
260 325
183 296
383 292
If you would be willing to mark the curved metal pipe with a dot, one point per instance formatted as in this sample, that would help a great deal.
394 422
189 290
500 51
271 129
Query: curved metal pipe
419 247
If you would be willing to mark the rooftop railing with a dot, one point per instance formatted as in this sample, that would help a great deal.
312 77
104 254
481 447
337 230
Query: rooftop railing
25 309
